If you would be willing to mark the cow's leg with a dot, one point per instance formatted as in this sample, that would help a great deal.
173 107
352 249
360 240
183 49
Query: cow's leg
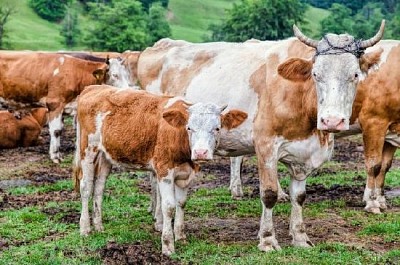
153 194
374 137
267 165
158 215
55 128
297 198
387 158
236 183
104 168
179 225
168 204
86 189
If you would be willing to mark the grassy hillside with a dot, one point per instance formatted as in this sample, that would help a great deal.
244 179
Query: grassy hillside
27 30
189 20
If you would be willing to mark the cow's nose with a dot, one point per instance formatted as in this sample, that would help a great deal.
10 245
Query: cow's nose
200 154
333 124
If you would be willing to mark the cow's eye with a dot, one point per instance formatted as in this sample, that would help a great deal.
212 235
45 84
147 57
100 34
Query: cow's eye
217 129
188 128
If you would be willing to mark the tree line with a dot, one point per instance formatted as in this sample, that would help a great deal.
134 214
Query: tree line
118 25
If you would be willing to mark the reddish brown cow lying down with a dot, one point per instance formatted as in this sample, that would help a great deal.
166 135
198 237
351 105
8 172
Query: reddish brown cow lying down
23 132
141 130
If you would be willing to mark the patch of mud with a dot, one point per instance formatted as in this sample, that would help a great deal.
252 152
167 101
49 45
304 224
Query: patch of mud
8 201
67 216
11 183
137 253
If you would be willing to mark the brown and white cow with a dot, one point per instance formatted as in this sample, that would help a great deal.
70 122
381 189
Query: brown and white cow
52 78
141 130
23 131
377 110
284 115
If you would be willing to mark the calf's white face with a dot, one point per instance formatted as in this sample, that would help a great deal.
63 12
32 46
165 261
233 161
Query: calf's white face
204 128
203 122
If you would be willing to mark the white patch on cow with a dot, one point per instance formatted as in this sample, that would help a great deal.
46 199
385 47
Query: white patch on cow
61 60
56 72
306 155
173 100
55 125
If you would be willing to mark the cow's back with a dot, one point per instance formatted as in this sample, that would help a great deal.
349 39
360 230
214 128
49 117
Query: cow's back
127 121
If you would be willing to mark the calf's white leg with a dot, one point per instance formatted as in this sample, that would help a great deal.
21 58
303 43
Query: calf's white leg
168 205
104 168
55 128
236 183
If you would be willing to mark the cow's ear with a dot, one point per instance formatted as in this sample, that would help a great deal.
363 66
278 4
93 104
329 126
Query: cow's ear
176 118
99 74
295 69
233 119
368 60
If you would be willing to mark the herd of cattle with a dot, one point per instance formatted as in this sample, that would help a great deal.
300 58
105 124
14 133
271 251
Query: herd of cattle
177 102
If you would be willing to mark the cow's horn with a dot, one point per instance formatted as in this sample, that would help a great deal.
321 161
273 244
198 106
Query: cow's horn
303 38
372 41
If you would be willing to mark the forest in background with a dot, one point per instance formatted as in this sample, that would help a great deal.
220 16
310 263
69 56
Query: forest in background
118 25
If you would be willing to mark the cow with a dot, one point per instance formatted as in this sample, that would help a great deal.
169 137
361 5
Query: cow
149 70
21 131
110 130
290 120
51 78
377 110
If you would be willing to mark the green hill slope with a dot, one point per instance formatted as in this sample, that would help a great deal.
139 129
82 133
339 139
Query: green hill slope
189 20
26 30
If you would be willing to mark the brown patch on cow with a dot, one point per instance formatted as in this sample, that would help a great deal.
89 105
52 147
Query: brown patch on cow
370 59
297 48
233 119
257 79
180 78
301 198
269 198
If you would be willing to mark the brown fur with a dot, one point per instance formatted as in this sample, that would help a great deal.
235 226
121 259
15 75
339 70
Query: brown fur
22 132
377 108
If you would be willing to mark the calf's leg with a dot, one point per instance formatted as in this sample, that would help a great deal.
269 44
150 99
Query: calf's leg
168 204
236 183
104 168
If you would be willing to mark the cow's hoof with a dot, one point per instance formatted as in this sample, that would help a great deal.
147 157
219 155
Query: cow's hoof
304 244
180 237
374 210
85 232
237 193
168 251
99 228
56 160
268 248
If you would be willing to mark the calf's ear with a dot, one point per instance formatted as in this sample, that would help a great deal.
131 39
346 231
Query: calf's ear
99 74
176 118
233 119
368 60
295 69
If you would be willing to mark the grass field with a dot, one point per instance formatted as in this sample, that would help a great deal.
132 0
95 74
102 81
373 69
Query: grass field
39 224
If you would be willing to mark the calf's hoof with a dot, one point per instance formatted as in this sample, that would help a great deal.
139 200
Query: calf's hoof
168 251
304 244
373 207
237 193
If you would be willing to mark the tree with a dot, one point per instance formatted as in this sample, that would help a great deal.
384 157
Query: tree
367 20
339 20
260 19
5 12
51 10
124 25
158 25
70 30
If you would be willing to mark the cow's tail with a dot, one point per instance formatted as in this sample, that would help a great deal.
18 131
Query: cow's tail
77 165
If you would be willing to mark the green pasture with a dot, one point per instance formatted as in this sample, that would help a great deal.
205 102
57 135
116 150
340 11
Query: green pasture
38 234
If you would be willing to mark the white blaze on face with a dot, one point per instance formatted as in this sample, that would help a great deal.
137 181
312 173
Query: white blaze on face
118 74
203 127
